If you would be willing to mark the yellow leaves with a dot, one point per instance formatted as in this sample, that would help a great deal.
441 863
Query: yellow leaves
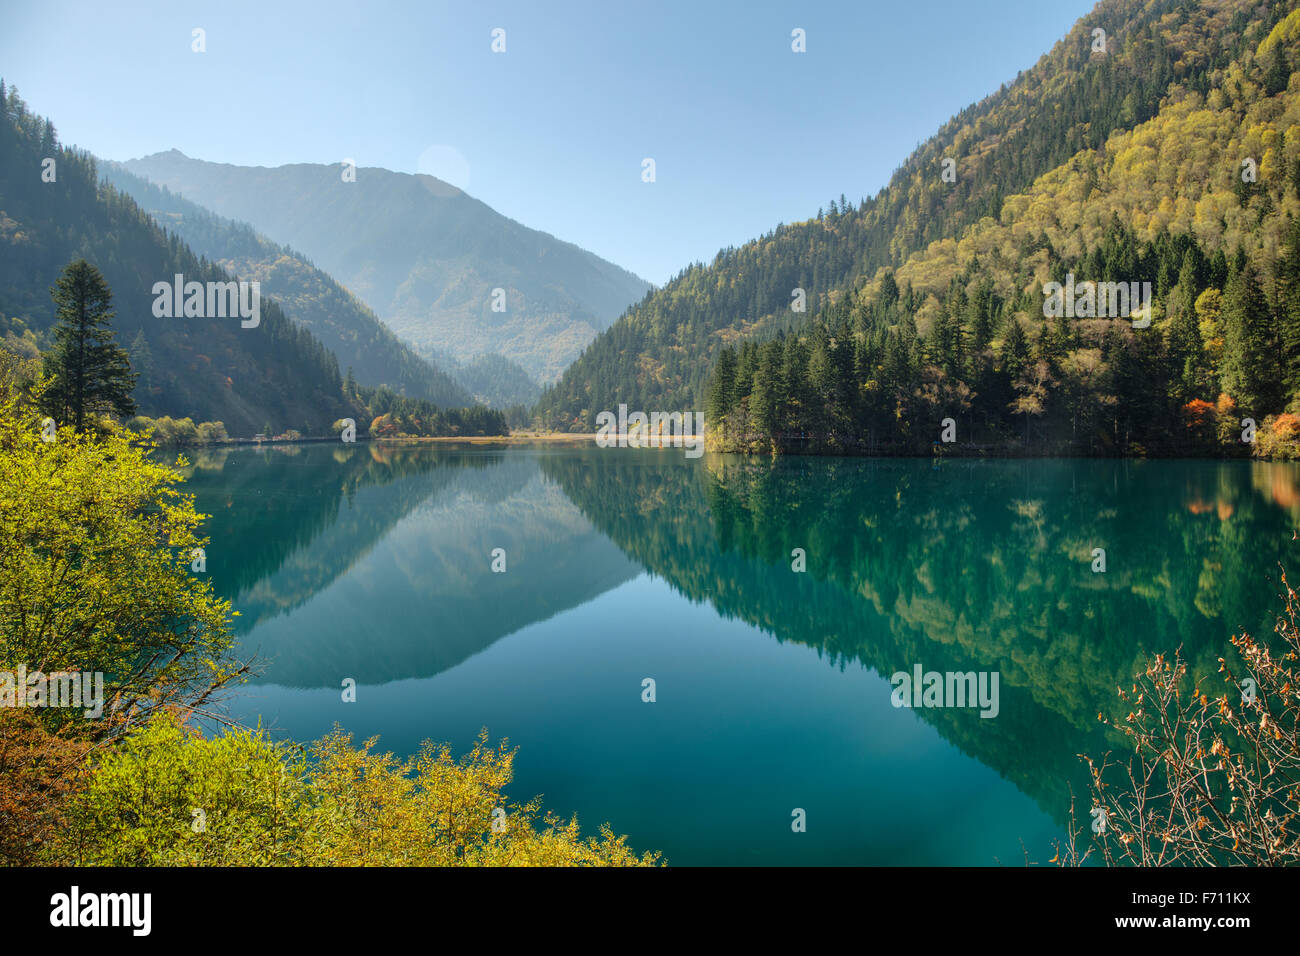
1013 208
1286 32
1136 162
103 507
333 804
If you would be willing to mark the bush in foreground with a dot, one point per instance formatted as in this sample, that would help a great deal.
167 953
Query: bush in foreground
167 796
96 545
1211 780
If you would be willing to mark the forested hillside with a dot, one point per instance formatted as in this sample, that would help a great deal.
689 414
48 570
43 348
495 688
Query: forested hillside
1199 201
426 256
310 296
270 377
492 379
1069 104
203 368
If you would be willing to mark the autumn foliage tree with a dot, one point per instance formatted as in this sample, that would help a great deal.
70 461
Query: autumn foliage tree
1212 778
95 547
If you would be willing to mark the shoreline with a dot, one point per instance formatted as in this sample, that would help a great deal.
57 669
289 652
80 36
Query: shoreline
952 452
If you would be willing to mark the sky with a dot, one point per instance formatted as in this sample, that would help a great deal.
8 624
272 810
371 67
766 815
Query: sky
744 132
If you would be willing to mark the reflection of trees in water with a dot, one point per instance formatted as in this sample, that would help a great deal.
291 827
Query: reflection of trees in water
974 565
268 505
303 523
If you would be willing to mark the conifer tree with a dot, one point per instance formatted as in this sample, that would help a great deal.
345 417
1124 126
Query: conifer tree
766 398
1015 350
1278 73
1185 352
1250 372
1289 325
141 357
722 389
89 372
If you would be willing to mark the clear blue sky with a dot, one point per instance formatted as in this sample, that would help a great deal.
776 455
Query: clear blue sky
744 132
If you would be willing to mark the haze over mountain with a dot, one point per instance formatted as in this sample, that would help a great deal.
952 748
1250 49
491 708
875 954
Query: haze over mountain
423 254
491 378
275 373
310 296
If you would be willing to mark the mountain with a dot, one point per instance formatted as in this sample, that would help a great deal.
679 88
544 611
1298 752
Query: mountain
492 379
203 368
310 296
426 256
1014 333
659 354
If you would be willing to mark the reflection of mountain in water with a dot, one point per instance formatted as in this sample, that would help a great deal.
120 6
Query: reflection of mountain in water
288 520
981 566
384 552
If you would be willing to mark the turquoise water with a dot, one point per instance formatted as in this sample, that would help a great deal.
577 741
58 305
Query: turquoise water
772 687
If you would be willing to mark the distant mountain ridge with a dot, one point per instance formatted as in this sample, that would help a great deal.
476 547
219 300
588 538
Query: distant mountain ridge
492 379
275 374
309 295
423 254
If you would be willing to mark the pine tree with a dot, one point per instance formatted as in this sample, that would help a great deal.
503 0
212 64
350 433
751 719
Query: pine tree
1219 269
89 372
1015 350
1250 372
49 139
722 390
979 315
1185 351
1289 326
141 357
889 290
1278 73
821 380
794 375
766 397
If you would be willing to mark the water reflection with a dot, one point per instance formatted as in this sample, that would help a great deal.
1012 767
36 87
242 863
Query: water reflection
374 562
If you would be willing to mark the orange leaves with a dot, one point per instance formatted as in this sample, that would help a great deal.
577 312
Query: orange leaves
1198 413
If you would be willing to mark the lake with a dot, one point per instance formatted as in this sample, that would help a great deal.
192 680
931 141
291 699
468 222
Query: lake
772 687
